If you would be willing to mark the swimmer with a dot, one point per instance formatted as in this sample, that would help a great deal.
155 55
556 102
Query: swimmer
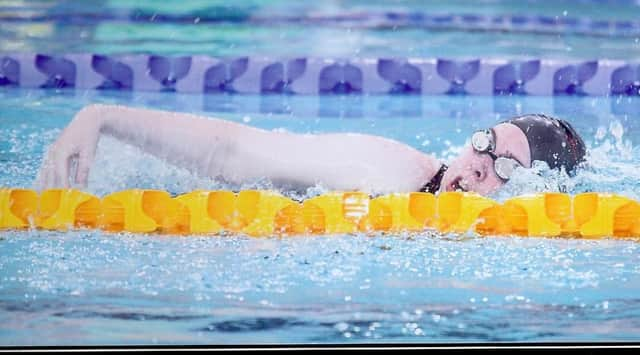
238 153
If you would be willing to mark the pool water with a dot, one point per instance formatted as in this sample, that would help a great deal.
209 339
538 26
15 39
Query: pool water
87 287
180 28
90 287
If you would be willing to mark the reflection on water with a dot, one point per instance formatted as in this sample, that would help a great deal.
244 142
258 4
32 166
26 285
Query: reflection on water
89 287
435 124
233 29
420 288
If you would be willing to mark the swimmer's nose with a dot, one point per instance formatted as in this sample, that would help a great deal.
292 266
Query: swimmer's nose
479 174
478 167
478 171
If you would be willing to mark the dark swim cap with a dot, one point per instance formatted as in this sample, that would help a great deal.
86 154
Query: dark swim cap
551 140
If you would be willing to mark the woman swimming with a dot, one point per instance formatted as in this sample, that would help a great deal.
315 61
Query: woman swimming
239 153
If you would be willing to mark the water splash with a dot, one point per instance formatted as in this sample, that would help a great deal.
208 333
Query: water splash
610 166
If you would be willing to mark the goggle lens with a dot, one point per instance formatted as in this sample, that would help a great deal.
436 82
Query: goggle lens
484 142
505 167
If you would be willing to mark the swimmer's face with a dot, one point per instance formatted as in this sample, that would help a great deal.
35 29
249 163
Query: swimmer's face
474 171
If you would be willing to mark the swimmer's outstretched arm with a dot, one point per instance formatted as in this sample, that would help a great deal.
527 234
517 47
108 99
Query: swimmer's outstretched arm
239 153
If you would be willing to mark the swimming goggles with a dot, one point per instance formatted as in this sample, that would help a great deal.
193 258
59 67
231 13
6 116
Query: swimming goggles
484 141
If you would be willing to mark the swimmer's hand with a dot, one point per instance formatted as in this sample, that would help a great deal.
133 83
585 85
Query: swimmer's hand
76 146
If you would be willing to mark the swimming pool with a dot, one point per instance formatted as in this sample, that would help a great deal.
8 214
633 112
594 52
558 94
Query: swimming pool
93 288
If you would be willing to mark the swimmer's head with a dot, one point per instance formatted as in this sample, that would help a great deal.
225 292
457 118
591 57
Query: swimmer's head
495 153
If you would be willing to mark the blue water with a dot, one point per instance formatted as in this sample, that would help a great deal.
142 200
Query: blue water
61 29
88 287
91 288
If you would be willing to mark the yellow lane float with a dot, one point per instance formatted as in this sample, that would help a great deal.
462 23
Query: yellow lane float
265 213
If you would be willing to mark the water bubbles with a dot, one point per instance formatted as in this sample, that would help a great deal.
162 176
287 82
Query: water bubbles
512 298
341 327
539 178
616 129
